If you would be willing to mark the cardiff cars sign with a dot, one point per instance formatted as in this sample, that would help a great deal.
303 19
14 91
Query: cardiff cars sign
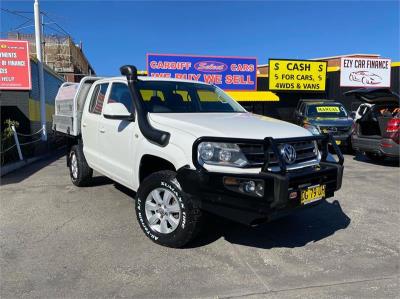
297 75
228 73
15 73
365 72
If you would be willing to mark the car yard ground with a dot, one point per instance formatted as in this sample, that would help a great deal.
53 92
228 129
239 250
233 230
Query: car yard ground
58 240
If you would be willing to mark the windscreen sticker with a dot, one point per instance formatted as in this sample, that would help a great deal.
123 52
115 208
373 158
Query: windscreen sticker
327 109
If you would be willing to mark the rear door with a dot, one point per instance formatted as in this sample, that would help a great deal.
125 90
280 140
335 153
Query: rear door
90 122
117 138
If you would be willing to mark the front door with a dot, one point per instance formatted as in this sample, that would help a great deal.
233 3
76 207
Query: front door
116 139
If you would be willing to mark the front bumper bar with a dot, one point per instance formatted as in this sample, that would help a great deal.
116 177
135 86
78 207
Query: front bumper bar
208 189
210 193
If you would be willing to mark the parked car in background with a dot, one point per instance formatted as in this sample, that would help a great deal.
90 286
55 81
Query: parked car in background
377 122
324 116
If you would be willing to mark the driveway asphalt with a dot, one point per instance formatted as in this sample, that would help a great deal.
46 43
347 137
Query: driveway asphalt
58 240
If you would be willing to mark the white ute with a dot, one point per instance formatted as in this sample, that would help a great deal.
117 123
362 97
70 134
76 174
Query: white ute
186 147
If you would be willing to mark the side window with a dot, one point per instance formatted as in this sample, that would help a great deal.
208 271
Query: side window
184 94
96 103
147 94
120 94
207 96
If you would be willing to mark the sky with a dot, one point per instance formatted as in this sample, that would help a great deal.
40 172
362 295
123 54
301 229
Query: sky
115 33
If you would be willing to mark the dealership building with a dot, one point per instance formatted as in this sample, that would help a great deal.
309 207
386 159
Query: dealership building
283 104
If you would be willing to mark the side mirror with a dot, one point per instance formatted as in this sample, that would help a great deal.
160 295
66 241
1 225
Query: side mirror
117 111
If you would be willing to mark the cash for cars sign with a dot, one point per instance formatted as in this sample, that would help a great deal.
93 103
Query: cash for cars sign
228 73
301 75
15 70
365 72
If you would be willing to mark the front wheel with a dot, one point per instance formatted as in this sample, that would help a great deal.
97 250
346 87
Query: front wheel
166 214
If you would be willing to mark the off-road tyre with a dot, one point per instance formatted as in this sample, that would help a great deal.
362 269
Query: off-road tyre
190 215
83 172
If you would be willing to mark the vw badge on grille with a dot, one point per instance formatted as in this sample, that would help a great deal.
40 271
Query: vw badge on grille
288 153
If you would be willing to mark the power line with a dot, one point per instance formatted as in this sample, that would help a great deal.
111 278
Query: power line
15 13
21 25
55 23
60 29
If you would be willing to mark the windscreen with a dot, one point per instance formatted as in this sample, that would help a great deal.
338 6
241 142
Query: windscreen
326 110
185 97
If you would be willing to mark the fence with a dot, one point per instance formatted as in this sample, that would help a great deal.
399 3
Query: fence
28 139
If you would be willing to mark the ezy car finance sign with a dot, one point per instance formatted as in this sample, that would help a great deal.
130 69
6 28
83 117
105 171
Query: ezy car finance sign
365 72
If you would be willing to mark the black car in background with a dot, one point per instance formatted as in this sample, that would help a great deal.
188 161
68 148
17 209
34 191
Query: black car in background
377 123
325 116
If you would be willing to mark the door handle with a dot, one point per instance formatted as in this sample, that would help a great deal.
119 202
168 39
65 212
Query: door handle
102 130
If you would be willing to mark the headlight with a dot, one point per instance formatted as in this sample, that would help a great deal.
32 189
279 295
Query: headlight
224 154
313 129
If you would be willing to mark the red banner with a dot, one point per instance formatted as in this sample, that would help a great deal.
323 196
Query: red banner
15 71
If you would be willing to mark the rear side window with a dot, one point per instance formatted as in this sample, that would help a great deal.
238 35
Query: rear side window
120 94
96 103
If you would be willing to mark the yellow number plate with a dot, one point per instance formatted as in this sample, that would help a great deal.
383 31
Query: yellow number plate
312 194
338 142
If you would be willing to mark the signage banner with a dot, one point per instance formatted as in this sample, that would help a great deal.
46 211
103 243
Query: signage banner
365 72
15 72
228 73
297 75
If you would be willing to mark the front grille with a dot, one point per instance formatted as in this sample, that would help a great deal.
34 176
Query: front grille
305 150
335 131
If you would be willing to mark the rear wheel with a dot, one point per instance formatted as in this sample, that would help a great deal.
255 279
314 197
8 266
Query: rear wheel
79 170
166 214
375 157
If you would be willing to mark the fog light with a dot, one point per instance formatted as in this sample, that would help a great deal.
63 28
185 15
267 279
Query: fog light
245 186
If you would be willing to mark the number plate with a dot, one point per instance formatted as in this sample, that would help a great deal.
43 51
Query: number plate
338 142
312 193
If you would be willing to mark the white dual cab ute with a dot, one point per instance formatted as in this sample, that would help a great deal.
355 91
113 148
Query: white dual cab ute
186 148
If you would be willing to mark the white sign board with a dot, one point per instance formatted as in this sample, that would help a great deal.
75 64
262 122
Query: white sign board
365 72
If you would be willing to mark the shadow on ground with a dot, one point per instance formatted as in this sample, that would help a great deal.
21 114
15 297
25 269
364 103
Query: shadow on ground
296 230
22 174
391 162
